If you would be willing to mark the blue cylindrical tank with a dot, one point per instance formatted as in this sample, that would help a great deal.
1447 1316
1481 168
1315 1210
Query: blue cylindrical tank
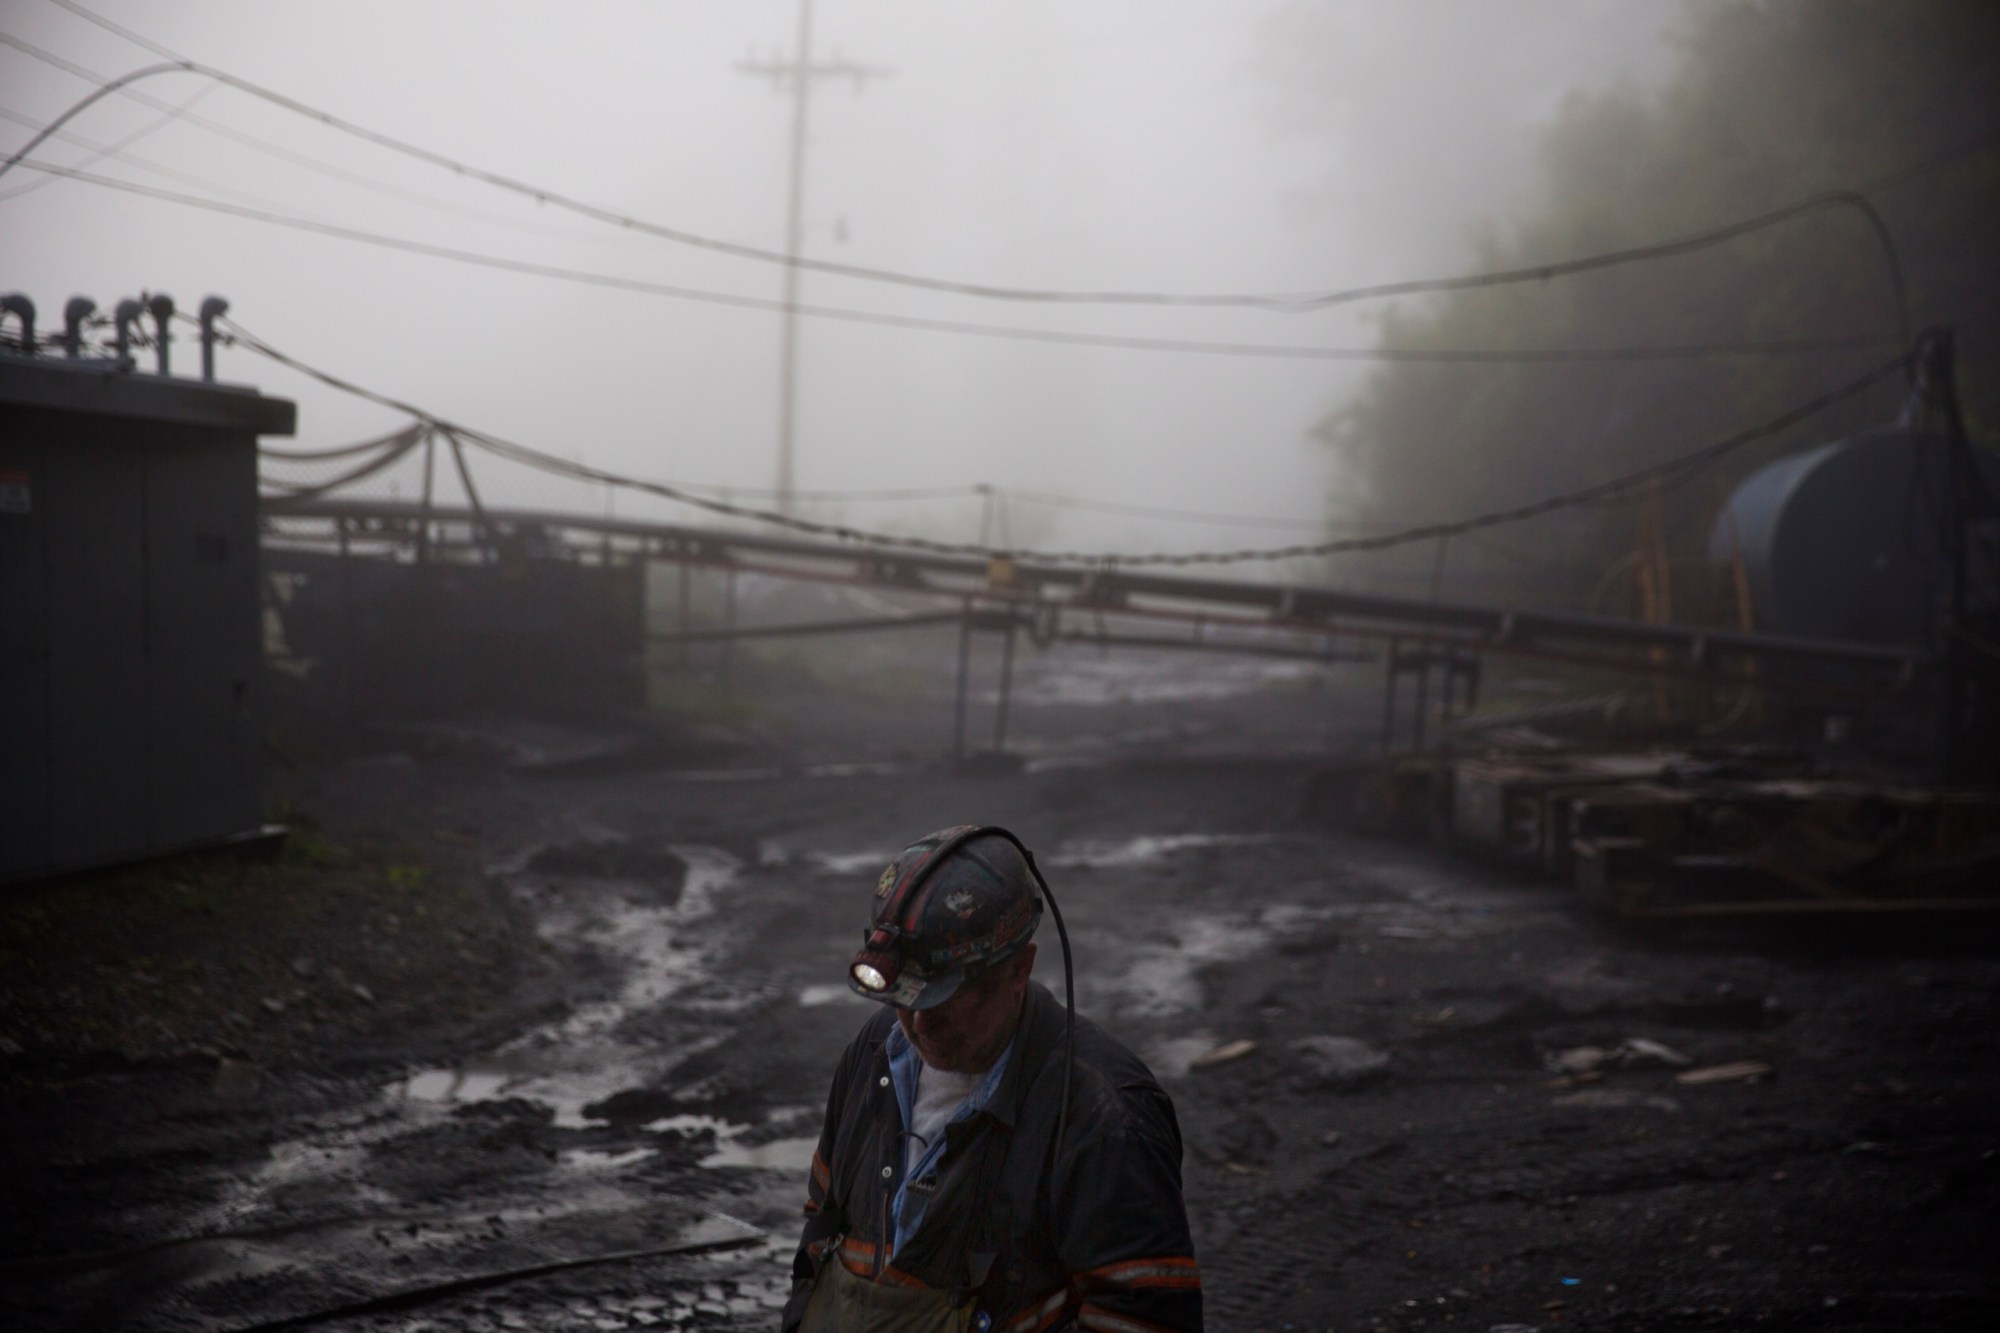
1846 541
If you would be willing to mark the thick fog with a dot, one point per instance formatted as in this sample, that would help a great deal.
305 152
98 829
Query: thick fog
1193 146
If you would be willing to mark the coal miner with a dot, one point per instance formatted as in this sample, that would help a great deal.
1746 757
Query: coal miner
989 1161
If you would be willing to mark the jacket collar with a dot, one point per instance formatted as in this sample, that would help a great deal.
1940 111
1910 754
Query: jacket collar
1040 1031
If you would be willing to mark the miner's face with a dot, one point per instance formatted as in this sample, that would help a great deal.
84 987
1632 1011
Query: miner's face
967 1033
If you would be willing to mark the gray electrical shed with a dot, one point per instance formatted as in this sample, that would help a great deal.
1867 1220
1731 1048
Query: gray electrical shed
130 621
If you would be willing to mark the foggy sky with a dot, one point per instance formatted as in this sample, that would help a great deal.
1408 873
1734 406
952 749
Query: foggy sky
1204 145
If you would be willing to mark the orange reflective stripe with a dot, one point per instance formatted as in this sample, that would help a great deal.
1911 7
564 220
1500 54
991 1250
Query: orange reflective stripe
1103 1321
1167 1271
1040 1316
859 1256
821 1176
812 1206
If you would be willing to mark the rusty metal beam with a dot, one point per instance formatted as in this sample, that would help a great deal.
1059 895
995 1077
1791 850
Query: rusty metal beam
1600 641
871 625
1234 648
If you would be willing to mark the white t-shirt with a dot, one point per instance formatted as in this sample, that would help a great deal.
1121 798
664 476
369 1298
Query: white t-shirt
939 1095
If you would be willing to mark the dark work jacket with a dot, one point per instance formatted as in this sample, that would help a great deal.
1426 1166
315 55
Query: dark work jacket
1093 1237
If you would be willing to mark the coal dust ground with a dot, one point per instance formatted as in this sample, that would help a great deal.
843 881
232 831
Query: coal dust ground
521 993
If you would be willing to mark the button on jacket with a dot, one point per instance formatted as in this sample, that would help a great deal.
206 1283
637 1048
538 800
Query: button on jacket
1093 1236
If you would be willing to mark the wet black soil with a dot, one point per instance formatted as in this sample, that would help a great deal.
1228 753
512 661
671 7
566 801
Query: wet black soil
492 1012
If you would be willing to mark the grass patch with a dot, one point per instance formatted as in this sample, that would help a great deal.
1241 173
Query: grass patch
684 694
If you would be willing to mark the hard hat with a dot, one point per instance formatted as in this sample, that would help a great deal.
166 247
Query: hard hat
951 904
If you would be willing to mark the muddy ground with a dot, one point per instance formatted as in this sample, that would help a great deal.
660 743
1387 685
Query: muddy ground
524 991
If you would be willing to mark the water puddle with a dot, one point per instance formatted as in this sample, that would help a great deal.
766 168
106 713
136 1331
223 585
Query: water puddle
584 1058
1131 678
1159 982
1149 850
790 1155
886 768
689 1126
471 1084
1158 975
773 773
793 1156
849 864
661 948
1159 978
599 1159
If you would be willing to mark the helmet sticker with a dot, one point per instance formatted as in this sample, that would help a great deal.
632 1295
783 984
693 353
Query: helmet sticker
962 903
887 882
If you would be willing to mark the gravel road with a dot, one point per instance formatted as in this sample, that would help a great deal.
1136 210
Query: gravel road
534 993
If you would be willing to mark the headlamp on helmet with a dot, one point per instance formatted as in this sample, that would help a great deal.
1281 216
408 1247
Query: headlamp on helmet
877 966
948 907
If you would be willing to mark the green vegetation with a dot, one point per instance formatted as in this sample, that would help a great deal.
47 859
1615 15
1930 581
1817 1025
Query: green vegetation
1771 102
684 694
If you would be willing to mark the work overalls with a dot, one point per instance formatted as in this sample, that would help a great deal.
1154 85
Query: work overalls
843 1302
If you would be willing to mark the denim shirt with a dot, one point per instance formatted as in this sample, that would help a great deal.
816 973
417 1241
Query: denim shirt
904 1066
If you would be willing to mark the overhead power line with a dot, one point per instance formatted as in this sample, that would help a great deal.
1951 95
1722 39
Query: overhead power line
101 151
884 319
1086 505
284 154
388 452
893 494
964 490
961 491
1672 471
1855 199
394 439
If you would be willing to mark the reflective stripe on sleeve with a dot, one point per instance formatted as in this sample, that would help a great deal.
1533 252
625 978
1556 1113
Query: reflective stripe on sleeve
1178 1271
859 1256
1103 1321
1041 1315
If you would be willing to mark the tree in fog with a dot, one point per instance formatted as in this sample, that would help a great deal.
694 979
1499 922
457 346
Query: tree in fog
1770 103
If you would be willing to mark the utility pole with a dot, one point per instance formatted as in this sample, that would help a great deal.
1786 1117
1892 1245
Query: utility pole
799 72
